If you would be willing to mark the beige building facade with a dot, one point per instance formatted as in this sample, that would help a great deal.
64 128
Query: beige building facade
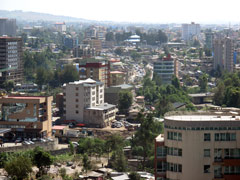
27 116
199 147
84 103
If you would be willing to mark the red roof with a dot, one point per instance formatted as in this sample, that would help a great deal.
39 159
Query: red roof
58 127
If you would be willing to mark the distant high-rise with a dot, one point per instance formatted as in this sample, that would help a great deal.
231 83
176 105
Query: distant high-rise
11 65
190 30
8 27
60 26
209 36
166 68
223 53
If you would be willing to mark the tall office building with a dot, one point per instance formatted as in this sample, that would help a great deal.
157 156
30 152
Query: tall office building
190 30
84 103
166 68
223 53
8 27
209 37
199 146
11 64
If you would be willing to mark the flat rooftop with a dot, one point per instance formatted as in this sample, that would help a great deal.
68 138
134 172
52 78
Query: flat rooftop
217 117
24 97
104 106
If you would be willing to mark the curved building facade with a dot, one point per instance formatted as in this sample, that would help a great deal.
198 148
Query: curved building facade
200 147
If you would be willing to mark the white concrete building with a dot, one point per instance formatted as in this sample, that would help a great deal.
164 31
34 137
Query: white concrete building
80 97
190 30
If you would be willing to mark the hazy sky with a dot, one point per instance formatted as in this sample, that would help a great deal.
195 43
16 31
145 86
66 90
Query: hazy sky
153 11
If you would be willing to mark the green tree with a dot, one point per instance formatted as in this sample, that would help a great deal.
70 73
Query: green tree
134 176
163 105
41 159
4 157
18 167
218 98
119 51
8 85
99 147
71 147
109 36
143 141
203 83
69 74
86 163
125 101
176 82
118 161
113 143
42 77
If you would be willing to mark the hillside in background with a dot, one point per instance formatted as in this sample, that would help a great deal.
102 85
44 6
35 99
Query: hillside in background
35 16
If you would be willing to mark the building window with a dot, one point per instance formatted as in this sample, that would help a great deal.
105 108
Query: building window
206 152
232 170
207 137
225 136
76 106
174 167
218 172
76 100
217 155
174 151
232 153
174 136
206 168
76 94
76 112
76 88
161 166
161 151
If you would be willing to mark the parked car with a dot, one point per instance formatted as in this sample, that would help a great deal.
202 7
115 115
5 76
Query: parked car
26 143
18 140
75 144
43 140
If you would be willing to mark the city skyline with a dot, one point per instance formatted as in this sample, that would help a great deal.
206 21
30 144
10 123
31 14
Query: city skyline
151 11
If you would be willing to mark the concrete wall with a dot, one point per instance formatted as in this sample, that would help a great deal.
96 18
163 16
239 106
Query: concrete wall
48 146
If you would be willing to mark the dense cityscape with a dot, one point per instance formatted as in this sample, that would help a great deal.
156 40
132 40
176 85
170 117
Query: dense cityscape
83 99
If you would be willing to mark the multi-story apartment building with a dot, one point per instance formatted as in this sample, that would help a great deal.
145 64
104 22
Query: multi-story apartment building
26 116
95 69
8 27
116 78
84 103
199 146
60 27
84 51
95 32
190 30
94 43
11 63
166 68
223 53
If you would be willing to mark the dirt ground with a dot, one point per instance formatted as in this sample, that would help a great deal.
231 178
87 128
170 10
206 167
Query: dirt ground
107 131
